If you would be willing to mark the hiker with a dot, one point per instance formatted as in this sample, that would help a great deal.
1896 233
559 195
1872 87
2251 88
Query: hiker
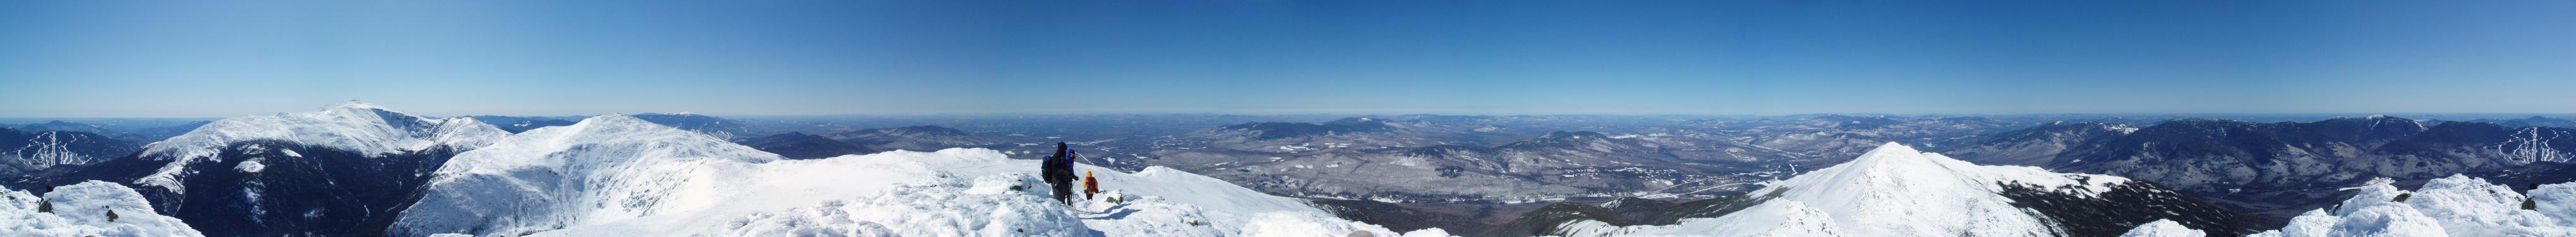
1071 157
1090 185
1057 170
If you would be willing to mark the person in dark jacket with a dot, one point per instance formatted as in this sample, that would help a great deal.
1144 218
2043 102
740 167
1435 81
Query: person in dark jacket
1057 170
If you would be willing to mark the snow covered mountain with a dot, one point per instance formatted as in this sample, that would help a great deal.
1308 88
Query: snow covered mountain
517 124
2533 121
632 167
711 125
2276 170
2036 146
340 170
1895 190
30 152
59 125
614 175
91 208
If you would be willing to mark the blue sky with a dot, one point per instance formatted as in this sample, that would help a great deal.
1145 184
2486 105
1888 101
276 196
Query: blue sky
154 59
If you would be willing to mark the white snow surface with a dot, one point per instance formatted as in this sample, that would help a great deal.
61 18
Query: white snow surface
1895 190
605 168
82 209
2451 206
2163 228
354 126
250 166
613 175
1777 218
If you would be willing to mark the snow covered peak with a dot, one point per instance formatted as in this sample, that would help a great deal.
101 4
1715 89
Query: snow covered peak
1890 152
1897 191
616 120
600 144
605 168
354 104
353 126
1893 190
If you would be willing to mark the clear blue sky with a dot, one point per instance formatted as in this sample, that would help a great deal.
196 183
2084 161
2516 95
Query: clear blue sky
195 58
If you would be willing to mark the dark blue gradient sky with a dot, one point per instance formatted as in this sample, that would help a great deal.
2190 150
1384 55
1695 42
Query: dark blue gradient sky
195 58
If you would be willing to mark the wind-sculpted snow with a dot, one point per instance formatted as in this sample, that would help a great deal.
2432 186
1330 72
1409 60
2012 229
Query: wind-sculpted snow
605 168
93 208
2163 228
1779 218
617 176
944 207
352 126
1890 191
2453 206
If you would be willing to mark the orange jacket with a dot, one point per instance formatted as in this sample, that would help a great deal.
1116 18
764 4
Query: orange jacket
1090 184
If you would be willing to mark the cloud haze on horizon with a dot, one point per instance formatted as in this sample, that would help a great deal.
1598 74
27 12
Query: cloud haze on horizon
197 59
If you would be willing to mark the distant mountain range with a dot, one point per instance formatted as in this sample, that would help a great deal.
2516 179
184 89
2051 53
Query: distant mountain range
148 131
29 153
913 138
514 124
805 146
2275 170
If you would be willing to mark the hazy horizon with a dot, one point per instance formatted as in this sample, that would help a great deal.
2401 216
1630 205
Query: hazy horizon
26 119
211 59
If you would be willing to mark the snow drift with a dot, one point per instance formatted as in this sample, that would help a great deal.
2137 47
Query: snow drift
2452 206
1893 190
2164 228
94 208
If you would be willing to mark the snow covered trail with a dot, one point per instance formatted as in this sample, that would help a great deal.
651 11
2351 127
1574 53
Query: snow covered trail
614 175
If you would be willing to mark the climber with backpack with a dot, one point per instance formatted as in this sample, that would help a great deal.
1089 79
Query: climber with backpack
1090 185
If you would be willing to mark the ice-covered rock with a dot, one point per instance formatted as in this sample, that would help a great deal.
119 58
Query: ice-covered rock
2452 206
